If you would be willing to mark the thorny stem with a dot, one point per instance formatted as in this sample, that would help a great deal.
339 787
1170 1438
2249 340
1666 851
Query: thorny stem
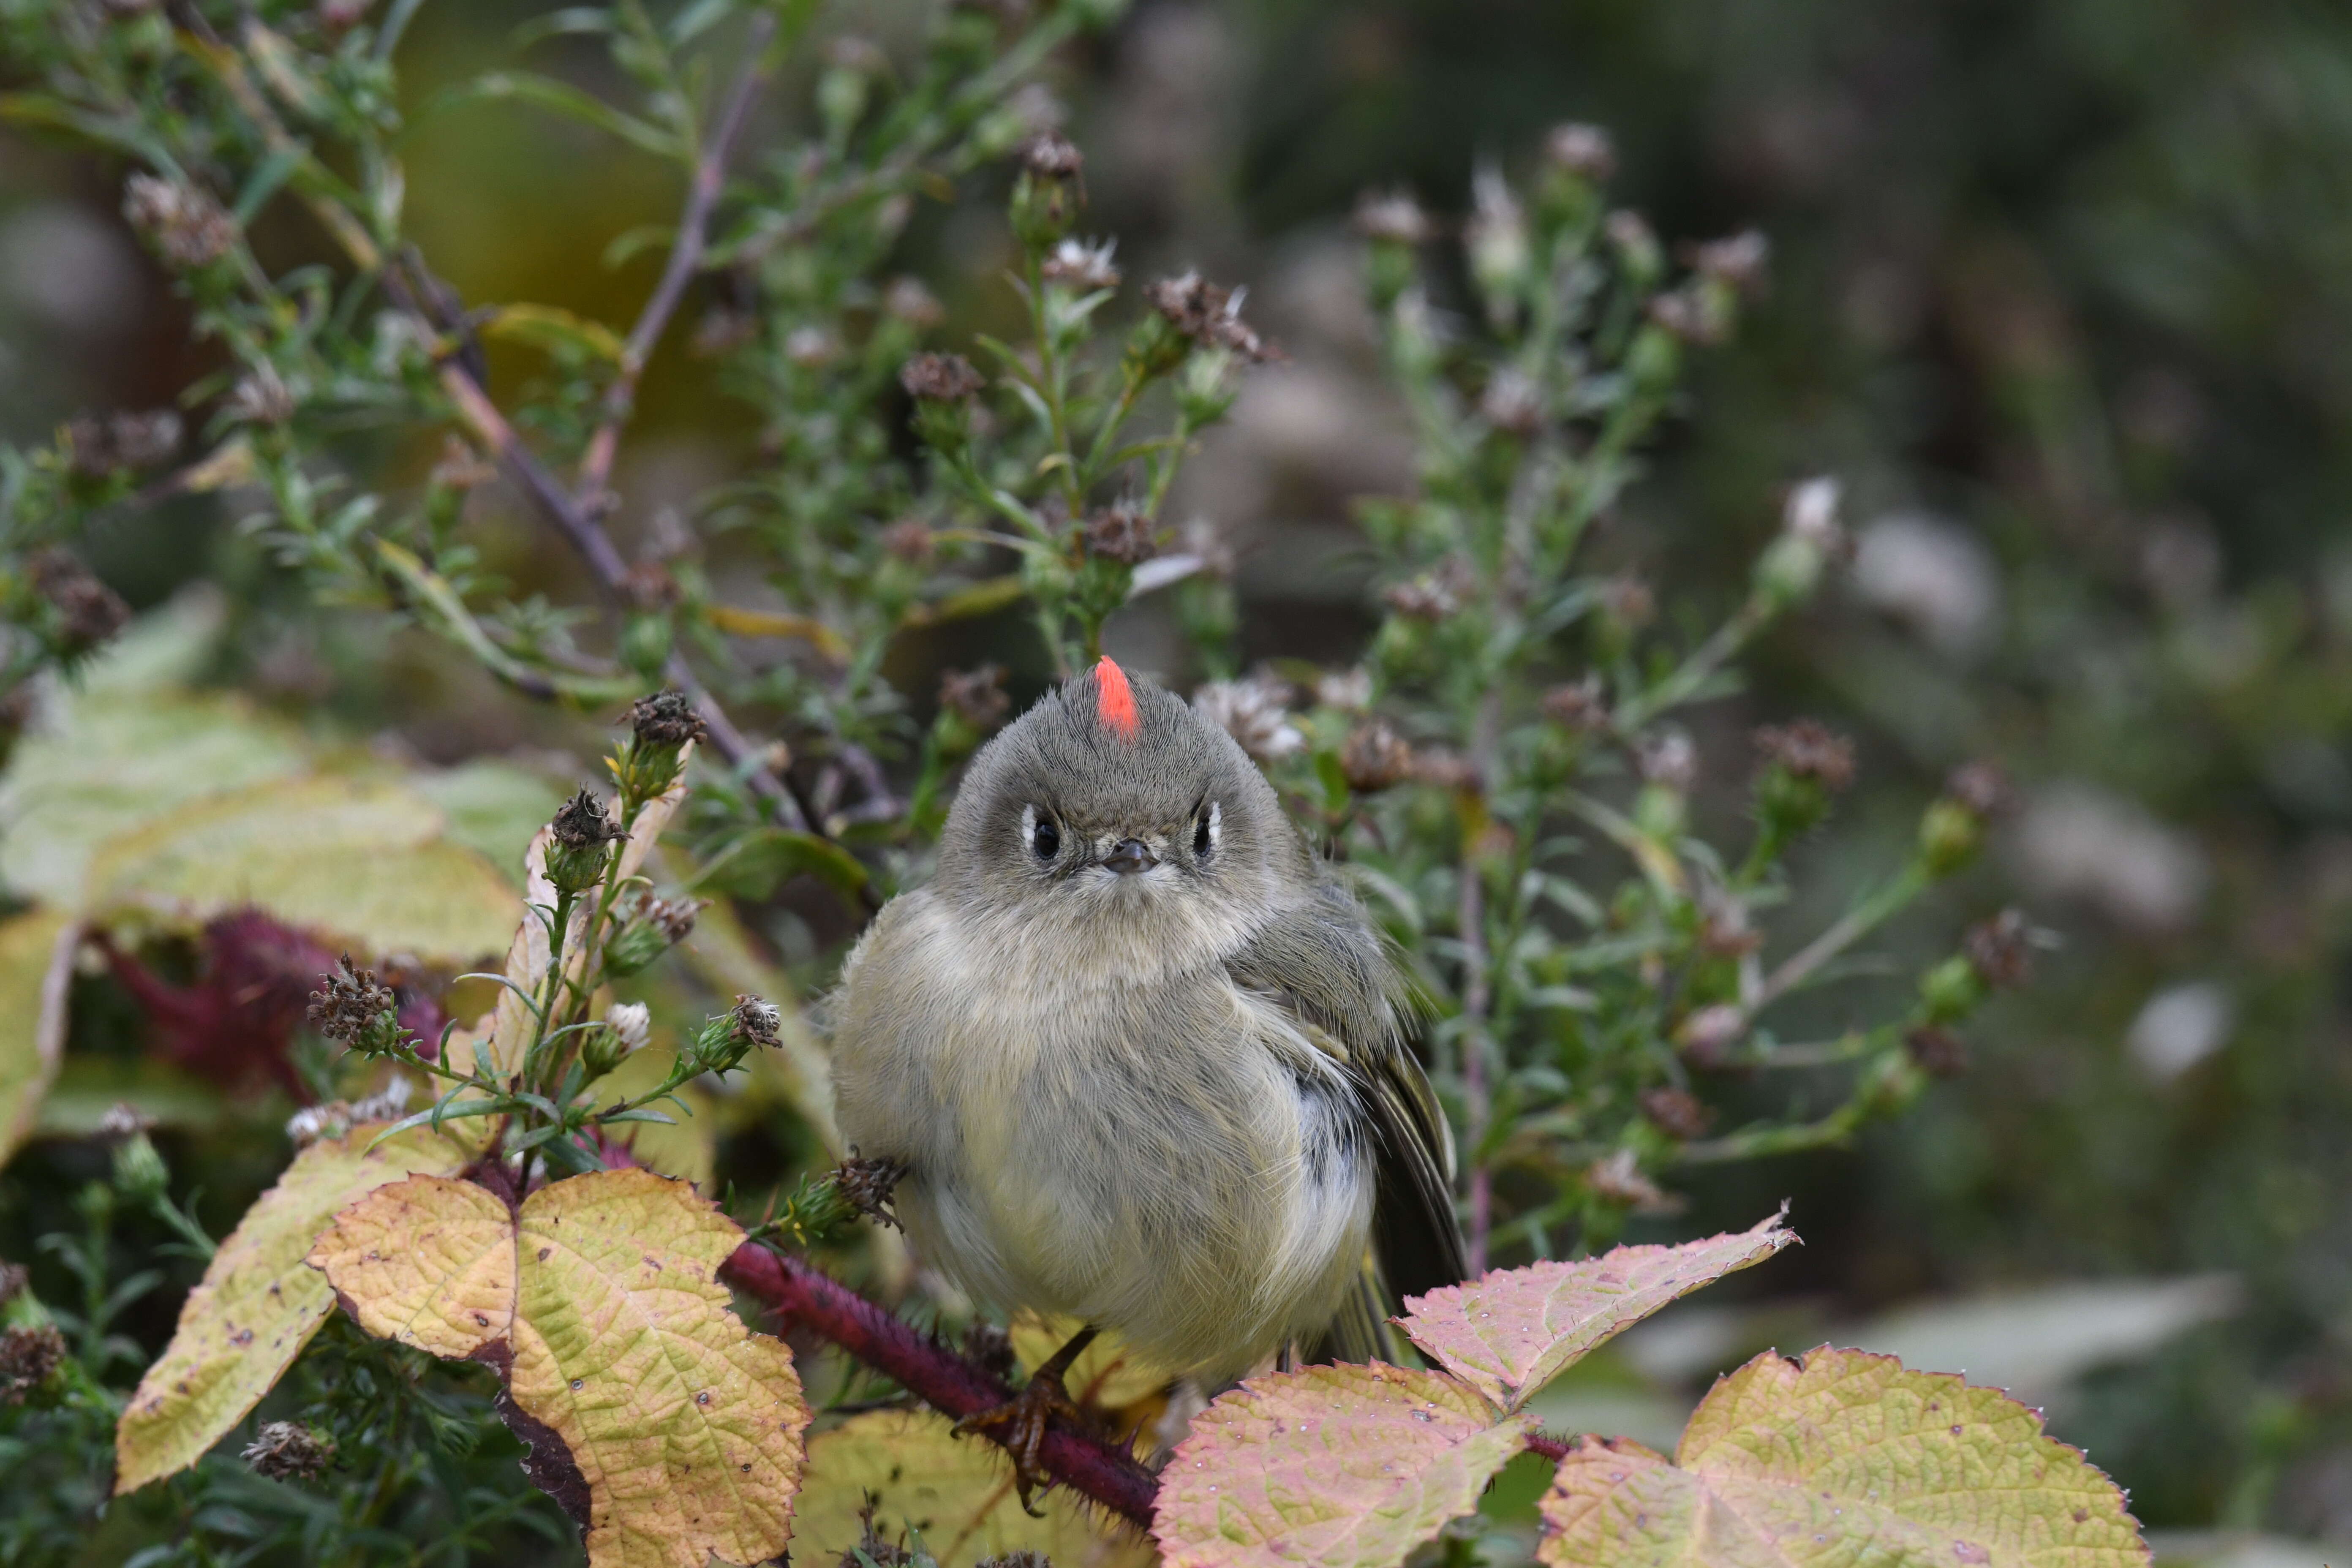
685 260
803 1298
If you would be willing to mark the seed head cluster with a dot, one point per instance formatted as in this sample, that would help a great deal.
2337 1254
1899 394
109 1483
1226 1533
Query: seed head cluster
351 1000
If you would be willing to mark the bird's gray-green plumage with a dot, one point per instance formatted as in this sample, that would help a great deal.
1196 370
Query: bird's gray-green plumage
1174 1100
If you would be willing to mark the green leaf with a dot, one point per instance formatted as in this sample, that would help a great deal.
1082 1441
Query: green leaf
551 328
753 864
1849 1459
561 97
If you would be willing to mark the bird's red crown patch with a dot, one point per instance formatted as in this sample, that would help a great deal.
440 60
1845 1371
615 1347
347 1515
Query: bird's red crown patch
1115 700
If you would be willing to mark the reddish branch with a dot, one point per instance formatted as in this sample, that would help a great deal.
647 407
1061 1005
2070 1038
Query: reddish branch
803 1298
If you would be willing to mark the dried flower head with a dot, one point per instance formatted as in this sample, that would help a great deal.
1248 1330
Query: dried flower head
910 539
1939 1052
1584 150
1121 532
1582 706
1737 262
1618 1178
1024 1558
1808 750
987 1345
123 1119
872 1550
868 1186
290 1451
2000 950
1253 712
1392 215
976 696
940 378
666 719
1075 264
260 397
1374 758
351 1002
12 1280
1512 402
185 225
1676 1112
104 445
1668 759
1433 595
1982 788
89 611
1350 690
755 1022
905 299
29 1353
674 918
1209 316
1053 155
582 823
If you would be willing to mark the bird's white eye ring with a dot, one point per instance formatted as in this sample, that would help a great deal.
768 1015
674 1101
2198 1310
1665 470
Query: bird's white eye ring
1205 831
1039 836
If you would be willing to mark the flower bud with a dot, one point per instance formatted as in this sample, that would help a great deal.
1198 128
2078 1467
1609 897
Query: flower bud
1500 256
660 727
1050 190
1810 539
653 928
942 387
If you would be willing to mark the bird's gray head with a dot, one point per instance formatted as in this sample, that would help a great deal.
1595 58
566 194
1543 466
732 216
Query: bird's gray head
1113 803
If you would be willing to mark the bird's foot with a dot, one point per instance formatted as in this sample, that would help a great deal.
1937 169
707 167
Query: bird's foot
1020 1424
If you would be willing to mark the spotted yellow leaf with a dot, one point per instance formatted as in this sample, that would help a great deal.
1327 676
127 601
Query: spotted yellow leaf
668 1430
36 951
429 1261
1851 1457
957 1494
258 1306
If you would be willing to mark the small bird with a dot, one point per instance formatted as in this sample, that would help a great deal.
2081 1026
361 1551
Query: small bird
1143 1058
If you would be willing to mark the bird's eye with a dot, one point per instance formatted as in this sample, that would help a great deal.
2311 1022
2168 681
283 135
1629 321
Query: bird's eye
1204 832
1044 838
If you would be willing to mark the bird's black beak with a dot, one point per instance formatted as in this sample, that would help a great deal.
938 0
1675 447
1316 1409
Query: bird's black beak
1132 855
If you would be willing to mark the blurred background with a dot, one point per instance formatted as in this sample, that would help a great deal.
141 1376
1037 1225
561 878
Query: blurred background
2057 289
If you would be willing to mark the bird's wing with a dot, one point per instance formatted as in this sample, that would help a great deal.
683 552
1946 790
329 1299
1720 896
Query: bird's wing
1325 966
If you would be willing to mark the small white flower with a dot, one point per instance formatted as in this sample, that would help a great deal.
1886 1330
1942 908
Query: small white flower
633 1021
1251 712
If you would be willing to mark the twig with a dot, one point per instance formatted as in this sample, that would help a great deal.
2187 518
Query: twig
1092 1466
684 259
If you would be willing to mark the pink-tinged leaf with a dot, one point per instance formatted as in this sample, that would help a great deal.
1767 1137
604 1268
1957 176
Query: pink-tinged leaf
1346 1467
1849 1458
1512 1331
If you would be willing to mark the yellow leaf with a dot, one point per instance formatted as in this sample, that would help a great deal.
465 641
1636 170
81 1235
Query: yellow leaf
551 327
956 1492
671 1431
258 1305
361 863
429 1261
1107 1375
36 951
771 623
529 955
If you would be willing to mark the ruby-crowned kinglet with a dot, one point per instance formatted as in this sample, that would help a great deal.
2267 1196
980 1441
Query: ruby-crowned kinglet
1142 1055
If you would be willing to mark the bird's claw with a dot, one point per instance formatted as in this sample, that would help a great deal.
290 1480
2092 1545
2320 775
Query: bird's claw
1020 1424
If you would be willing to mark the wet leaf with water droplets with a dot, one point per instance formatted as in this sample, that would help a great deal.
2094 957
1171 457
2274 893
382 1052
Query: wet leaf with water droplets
1849 1458
1514 1331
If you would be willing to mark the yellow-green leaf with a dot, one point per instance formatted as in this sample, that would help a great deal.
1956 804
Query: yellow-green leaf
550 328
361 863
36 952
100 764
1107 1375
671 1431
746 623
1346 1467
958 1494
1515 1329
1849 1458
429 1261
258 1306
